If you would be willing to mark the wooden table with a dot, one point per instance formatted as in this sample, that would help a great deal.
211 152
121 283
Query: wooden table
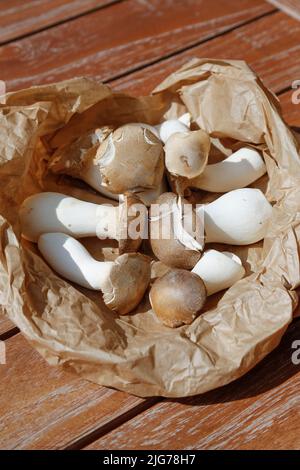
133 44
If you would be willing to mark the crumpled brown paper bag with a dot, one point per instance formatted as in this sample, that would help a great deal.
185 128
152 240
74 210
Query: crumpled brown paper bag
135 353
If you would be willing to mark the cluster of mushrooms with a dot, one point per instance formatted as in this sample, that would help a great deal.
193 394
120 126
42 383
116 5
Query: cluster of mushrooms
137 163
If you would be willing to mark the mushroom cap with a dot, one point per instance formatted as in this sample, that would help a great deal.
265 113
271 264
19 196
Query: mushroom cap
187 153
146 126
130 212
170 250
177 298
130 159
73 158
127 282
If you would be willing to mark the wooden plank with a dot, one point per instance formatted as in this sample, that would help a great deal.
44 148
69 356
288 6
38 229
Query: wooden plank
290 107
253 49
128 35
248 42
70 423
5 325
260 411
44 407
291 7
270 45
18 18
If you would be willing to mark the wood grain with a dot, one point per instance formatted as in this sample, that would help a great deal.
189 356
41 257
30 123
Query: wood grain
5 325
270 45
18 18
43 407
112 18
290 108
125 36
259 411
291 7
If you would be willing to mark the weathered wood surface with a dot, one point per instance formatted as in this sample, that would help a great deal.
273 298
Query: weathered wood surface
120 38
270 45
261 51
260 411
290 103
5 325
18 18
291 7
44 407
145 80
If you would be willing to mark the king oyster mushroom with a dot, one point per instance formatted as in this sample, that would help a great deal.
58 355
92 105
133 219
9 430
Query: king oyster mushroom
131 159
123 282
186 156
54 212
178 297
172 229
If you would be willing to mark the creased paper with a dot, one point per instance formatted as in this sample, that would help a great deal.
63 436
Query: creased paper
71 327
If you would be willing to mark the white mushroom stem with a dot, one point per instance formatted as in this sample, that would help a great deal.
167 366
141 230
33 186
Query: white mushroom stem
239 217
186 119
93 178
237 171
165 129
55 212
219 270
122 282
149 197
170 127
71 260
183 227
77 159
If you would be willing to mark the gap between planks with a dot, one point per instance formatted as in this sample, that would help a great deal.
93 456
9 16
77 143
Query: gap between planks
128 49
13 330
165 57
98 433
227 391
9 333
109 3
191 46
103 430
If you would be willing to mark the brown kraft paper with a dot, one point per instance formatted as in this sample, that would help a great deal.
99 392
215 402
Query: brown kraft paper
70 326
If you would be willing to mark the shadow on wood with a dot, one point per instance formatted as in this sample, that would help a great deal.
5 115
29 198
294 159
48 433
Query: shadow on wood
271 372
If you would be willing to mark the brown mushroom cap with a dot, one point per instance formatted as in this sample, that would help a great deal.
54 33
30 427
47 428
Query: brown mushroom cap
186 155
177 298
73 158
129 213
131 159
127 283
170 251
